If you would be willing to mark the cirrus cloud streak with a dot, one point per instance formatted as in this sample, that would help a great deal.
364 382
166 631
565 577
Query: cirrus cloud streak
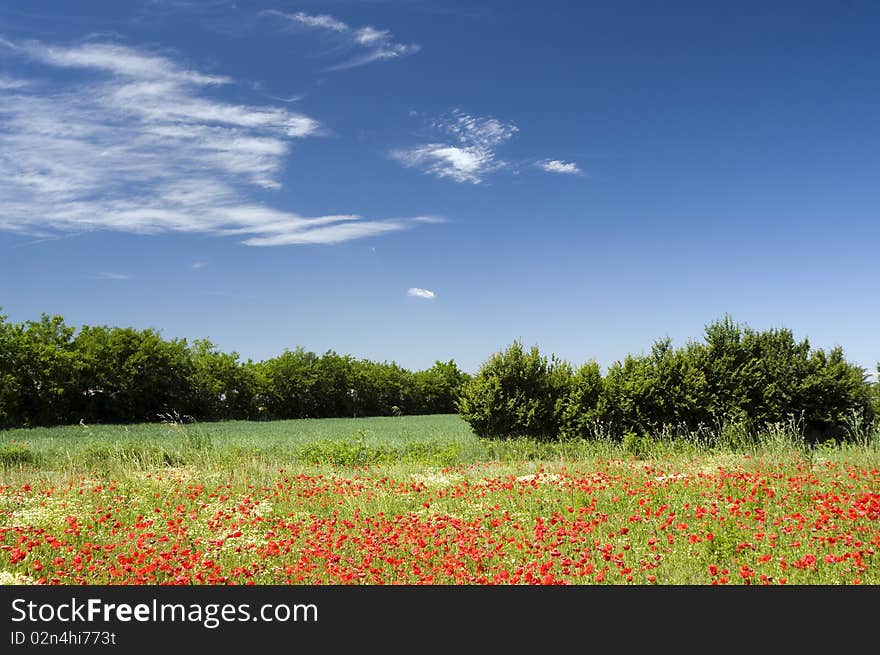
143 145
364 44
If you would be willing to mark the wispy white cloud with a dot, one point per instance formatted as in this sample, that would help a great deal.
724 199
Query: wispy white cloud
442 160
143 147
120 60
471 155
337 233
559 166
288 100
321 21
431 220
198 265
416 292
112 276
474 130
362 45
8 83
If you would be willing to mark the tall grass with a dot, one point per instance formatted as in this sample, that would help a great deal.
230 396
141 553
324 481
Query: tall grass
414 441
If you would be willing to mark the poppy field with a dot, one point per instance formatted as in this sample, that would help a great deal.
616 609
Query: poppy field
713 518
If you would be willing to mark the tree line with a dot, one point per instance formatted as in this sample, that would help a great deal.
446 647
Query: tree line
735 376
52 373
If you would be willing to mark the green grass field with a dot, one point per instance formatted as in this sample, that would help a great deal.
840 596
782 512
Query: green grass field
253 452
439 440
442 439
421 500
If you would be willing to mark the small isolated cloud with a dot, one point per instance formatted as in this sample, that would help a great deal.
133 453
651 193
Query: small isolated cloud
415 292
112 276
471 154
363 45
198 265
559 166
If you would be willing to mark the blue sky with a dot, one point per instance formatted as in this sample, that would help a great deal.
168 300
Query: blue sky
414 180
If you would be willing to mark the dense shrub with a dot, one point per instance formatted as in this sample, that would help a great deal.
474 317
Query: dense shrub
645 393
516 393
736 379
875 397
579 413
769 377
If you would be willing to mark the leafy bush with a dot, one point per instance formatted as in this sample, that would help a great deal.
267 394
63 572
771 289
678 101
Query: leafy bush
356 452
579 411
340 453
875 398
637 445
15 454
645 393
737 377
440 453
765 378
738 383
516 393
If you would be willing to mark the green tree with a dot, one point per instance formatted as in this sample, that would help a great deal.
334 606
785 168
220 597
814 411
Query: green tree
38 366
222 387
387 385
131 375
336 393
289 388
436 390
